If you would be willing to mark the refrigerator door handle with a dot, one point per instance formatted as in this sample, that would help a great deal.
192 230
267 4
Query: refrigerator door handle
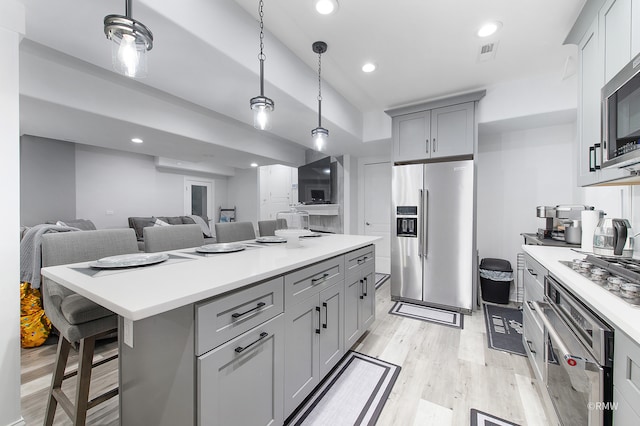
420 242
425 224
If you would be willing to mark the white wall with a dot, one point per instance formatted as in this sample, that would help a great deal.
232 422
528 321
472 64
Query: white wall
47 180
128 184
517 171
243 193
11 27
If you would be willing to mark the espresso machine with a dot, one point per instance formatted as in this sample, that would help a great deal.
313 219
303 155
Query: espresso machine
562 222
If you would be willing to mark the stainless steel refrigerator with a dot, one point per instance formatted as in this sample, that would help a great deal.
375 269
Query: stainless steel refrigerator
433 252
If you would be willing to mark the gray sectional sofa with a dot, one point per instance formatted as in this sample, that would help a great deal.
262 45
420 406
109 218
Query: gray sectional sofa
138 223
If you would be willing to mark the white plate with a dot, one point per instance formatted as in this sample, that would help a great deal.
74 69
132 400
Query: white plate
129 260
220 248
271 239
311 235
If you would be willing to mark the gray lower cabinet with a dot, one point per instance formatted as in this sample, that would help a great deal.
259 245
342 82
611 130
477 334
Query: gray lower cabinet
533 330
314 343
240 382
360 304
626 380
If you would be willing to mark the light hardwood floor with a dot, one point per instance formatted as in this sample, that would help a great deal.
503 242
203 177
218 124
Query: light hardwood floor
445 372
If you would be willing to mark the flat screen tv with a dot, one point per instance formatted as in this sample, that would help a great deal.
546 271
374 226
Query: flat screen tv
314 182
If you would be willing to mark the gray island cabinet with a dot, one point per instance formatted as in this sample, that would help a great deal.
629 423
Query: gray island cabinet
241 338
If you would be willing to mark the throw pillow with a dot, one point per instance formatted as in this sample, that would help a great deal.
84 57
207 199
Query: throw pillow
159 222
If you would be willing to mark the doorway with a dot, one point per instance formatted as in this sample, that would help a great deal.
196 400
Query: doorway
198 198
375 207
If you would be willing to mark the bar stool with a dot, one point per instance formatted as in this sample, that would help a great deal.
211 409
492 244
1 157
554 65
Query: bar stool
228 232
174 237
77 319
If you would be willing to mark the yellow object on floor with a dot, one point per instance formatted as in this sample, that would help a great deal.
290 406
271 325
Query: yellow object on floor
34 324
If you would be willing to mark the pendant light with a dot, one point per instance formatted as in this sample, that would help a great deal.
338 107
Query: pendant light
261 105
131 41
319 134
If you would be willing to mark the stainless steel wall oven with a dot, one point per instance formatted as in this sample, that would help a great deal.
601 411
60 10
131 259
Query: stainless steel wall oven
578 358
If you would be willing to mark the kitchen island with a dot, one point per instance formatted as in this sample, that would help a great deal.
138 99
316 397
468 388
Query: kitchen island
204 336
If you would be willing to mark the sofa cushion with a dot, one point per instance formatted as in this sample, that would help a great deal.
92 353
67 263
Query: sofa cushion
138 223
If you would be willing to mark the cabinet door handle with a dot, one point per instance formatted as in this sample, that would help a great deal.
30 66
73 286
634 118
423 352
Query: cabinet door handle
361 289
435 145
319 321
592 158
364 287
315 280
531 272
239 349
239 314
427 146
326 314
362 260
529 343
531 306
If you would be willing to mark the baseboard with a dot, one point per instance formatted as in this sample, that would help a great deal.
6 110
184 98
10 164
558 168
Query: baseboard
19 422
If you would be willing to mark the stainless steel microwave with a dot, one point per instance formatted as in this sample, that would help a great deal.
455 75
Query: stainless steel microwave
621 119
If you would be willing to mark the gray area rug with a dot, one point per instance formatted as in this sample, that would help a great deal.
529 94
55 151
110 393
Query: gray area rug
429 314
352 394
504 329
381 279
479 418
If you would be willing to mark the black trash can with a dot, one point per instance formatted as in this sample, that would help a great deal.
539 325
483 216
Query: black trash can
496 277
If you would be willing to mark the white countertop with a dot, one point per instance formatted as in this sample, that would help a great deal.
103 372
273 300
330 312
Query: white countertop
138 293
618 313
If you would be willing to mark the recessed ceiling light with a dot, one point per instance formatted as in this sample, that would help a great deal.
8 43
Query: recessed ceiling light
325 7
254 164
136 140
489 28
369 67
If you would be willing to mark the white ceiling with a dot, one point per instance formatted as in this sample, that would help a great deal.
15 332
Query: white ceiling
204 60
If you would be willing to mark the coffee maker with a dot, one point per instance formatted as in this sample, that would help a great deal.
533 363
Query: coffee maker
562 222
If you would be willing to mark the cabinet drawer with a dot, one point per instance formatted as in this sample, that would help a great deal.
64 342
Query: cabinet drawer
535 269
533 340
357 259
311 280
533 289
228 316
626 368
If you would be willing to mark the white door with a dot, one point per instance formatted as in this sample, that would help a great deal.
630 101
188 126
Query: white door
275 190
198 198
375 178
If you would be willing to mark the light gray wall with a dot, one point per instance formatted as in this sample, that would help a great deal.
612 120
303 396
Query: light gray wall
128 184
47 180
243 193
518 171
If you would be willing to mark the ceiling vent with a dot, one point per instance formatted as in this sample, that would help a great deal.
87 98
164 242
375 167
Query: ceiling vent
487 51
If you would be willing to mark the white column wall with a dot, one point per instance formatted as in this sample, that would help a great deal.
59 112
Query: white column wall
11 28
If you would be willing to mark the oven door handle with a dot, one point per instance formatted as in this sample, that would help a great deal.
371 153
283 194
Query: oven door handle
570 360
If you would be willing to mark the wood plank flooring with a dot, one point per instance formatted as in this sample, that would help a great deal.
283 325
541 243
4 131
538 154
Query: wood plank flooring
445 372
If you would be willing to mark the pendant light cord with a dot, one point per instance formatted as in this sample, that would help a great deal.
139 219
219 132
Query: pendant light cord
261 56
319 90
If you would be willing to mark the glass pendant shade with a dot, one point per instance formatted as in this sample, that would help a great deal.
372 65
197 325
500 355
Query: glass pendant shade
262 107
320 136
131 41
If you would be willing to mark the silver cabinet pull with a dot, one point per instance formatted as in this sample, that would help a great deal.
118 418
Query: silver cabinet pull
315 280
435 145
240 314
326 314
239 349
531 306
319 321
427 146
531 272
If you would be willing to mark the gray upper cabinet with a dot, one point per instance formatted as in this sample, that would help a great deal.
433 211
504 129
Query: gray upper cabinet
441 132
604 42
435 129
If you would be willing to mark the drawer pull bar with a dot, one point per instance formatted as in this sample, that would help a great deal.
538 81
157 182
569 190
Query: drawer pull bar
239 349
315 280
361 289
319 320
362 260
364 287
238 315
533 308
531 272
529 342
326 314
